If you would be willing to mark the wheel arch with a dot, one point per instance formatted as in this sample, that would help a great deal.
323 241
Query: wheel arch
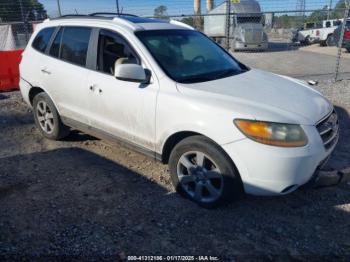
172 141
176 138
35 90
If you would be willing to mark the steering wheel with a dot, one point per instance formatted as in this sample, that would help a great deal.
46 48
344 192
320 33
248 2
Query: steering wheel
199 57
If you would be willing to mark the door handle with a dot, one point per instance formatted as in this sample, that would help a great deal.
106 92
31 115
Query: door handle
93 88
45 71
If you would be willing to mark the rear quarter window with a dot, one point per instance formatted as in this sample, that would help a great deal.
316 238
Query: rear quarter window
42 39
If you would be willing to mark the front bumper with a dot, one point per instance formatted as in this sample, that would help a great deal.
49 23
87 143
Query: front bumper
346 44
249 46
269 170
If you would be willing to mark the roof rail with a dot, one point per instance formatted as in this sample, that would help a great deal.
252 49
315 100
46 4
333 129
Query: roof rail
98 15
110 13
72 16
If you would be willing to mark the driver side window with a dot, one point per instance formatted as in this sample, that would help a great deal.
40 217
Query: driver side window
113 49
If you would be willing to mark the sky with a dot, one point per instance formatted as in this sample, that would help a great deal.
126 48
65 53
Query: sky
175 7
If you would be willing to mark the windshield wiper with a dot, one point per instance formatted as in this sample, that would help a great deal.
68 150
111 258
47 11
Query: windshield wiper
210 76
194 79
227 73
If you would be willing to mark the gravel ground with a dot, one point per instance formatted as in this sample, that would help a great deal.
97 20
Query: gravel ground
86 199
312 62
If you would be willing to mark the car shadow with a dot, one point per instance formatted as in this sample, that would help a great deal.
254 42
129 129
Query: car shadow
78 136
74 203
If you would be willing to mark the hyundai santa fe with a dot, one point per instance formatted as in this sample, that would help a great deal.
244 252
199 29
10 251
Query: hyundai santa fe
172 93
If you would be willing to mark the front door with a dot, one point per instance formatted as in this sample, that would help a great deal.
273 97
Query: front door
121 108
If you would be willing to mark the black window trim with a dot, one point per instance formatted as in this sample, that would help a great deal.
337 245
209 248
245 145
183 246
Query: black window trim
95 50
89 51
53 36
48 43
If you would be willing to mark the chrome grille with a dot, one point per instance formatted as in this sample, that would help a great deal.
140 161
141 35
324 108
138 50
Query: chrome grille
329 130
253 36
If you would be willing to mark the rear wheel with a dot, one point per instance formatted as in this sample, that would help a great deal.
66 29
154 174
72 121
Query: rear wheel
47 118
201 172
307 41
330 40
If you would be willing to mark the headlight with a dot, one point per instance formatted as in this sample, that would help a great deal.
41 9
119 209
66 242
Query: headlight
275 134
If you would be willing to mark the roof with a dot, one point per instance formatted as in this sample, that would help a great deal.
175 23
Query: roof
135 23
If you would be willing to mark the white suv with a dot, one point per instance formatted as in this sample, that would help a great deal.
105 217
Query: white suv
175 95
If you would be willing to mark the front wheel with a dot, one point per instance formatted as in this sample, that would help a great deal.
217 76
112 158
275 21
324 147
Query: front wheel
202 172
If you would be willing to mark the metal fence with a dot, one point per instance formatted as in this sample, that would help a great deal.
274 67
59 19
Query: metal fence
303 39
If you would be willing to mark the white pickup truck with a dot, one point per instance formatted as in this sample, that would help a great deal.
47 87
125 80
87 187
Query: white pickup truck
319 32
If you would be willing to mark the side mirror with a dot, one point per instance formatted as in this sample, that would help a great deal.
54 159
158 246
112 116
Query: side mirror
131 73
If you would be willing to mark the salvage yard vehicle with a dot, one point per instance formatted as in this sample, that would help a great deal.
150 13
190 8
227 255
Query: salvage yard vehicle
346 36
247 25
172 93
319 32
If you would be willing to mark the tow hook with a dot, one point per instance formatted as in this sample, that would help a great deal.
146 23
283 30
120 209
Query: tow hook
326 178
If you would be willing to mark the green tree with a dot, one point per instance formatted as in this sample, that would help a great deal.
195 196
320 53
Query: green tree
318 15
161 12
339 10
191 21
10 10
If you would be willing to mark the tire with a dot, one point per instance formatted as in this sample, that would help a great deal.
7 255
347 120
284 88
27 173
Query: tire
199 181
348 49
330 40
47 118
307 41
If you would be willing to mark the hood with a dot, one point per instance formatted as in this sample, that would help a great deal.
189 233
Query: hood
263 96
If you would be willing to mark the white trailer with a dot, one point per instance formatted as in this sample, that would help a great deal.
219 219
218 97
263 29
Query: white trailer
246 25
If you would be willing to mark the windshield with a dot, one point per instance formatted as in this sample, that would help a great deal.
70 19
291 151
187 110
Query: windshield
188 56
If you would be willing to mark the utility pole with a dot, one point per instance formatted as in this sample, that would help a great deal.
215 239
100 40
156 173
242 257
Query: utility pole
329 9
228 24
24 20
117 3
197 14
59 8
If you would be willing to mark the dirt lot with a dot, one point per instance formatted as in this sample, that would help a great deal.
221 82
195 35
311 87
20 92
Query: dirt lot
86 199
311 62
327 50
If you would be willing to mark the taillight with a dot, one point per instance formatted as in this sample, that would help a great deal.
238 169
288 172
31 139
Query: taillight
318 33
347 35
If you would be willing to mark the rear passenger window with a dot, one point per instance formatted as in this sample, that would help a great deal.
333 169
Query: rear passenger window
42 39
71 44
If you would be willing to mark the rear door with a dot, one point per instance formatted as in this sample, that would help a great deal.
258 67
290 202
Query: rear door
65 71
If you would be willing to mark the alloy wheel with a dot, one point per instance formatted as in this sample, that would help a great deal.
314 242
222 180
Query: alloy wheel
200 176
45 117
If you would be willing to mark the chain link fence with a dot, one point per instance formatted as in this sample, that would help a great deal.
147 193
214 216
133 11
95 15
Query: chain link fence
303 39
